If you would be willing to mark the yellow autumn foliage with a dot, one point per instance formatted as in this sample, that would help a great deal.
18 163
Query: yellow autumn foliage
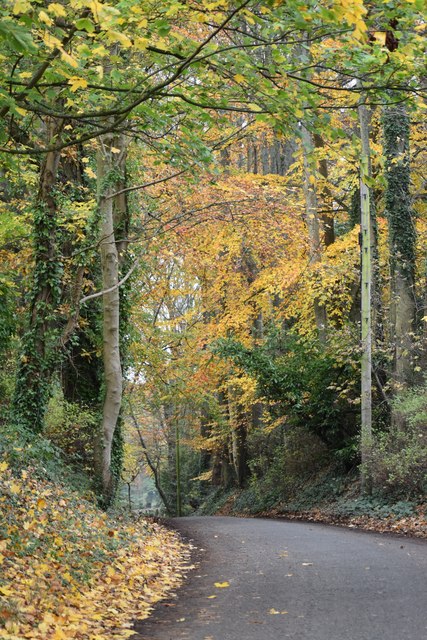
69 571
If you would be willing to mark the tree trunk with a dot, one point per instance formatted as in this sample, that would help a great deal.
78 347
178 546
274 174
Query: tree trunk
111 312
313 224
327 218
366 361
38 352
239 435
402 238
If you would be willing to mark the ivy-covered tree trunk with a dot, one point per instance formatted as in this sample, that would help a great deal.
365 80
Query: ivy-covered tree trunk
111 312
402 237
39 354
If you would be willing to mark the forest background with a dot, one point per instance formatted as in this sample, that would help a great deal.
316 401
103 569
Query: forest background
213 263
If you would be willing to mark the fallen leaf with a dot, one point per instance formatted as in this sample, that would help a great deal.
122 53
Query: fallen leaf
222 585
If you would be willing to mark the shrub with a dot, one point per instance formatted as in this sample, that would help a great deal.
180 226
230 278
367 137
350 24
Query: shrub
72 427
399 462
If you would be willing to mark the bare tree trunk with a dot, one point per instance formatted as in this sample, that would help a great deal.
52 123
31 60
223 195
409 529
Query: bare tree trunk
313 224
327 217
107 161
239 435
366 362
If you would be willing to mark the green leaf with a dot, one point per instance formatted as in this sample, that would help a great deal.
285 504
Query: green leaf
18 38
84 24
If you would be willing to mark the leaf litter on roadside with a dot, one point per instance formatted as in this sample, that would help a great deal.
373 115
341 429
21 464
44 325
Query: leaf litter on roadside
70 572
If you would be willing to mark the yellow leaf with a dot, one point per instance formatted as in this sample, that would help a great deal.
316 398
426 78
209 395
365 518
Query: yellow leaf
211 597
77 83
57 9
15 488
41 503
6 591
117 36
141 43
50 41
380 36
68 59
222 585
90 172
43 17
21 6
239 78
4 466
274 612
114 150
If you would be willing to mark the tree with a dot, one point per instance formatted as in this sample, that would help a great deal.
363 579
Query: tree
402 236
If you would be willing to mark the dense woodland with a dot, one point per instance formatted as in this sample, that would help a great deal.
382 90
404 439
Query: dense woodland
213 245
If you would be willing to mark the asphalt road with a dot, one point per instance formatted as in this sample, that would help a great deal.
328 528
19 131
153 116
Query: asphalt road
294 580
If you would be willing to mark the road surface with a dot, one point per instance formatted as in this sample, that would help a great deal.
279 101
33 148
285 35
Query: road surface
277 580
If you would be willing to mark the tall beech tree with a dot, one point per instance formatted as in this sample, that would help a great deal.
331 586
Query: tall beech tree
107 181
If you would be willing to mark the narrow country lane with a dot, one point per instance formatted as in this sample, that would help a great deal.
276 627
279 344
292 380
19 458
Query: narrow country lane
294 580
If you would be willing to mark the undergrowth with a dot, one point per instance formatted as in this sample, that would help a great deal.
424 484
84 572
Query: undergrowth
332 494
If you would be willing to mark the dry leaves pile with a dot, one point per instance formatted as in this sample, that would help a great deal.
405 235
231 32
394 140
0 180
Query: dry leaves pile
68 571
415 525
